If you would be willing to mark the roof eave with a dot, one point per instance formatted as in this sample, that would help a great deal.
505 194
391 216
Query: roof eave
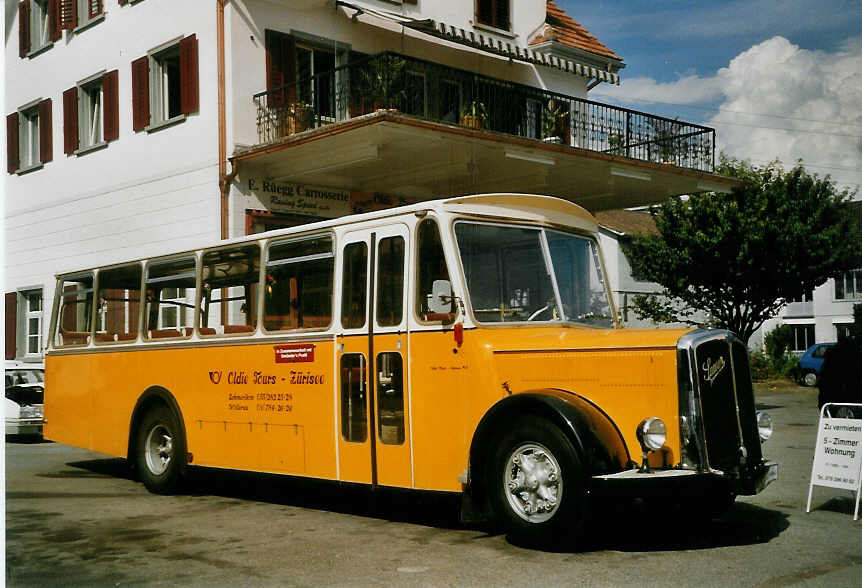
557 48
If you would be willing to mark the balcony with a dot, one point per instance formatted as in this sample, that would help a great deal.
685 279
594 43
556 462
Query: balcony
411 130
431 92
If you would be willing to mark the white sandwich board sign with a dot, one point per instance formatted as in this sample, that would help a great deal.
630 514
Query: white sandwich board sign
838 455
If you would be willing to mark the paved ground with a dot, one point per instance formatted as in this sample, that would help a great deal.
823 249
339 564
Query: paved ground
76 518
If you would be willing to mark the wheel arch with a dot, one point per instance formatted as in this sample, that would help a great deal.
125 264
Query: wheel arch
595 437
152 396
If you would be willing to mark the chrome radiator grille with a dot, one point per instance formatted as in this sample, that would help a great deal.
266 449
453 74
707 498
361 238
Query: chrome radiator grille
720 401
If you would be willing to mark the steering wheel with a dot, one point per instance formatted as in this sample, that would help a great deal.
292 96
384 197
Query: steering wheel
538 312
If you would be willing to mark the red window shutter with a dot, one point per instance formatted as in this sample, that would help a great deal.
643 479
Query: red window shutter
111 104
54 18
140 93
70 121
13 161
68 14
24 28
46 132
189 86
11 323
94 8
280 67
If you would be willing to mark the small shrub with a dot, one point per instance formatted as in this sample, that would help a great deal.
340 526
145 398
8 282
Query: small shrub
761 368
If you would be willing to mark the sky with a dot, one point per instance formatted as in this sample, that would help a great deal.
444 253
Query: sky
776 79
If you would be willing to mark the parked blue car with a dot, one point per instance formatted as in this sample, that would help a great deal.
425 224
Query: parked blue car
811 362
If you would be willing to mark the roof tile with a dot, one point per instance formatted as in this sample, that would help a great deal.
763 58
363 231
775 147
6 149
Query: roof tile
560 27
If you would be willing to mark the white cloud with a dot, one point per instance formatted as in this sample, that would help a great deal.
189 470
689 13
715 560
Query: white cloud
778 100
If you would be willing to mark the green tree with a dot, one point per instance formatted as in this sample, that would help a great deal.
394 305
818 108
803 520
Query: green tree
732 260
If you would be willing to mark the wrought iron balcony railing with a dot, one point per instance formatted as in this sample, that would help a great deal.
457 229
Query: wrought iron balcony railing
443 94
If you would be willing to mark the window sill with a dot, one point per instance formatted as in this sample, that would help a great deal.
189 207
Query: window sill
92 22
91 148
31 168
165 123
492 29
40 50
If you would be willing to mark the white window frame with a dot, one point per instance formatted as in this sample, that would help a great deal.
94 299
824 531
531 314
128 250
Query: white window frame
160 83
181 312
91 113
84 19
40 23
852 285
30 317
312 49
29 156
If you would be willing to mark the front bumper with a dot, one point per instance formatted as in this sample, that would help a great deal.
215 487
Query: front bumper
683 482
24 426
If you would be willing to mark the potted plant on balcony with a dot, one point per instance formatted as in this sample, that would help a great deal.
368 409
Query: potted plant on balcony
616 143
554 122
666 139
300 117
475 115
379 83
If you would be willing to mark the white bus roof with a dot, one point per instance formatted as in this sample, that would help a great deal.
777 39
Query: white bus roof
508 206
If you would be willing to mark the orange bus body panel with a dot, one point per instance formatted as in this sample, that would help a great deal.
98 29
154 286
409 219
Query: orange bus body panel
244 410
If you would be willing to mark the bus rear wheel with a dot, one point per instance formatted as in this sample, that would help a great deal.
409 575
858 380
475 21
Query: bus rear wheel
159 450
535 484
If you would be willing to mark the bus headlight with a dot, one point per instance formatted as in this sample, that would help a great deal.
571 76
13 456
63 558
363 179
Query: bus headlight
652 434
764 425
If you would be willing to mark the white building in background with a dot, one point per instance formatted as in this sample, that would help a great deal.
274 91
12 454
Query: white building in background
136 128
825 314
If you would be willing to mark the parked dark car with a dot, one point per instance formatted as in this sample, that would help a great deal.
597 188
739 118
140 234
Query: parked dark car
811 362
841 377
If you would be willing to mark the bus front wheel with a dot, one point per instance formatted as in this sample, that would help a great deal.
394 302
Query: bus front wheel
159 450
535 483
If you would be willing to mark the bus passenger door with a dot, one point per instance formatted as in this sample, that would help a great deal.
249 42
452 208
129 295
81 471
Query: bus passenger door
374 439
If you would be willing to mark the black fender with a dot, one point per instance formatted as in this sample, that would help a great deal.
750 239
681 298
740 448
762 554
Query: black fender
151 396
598 441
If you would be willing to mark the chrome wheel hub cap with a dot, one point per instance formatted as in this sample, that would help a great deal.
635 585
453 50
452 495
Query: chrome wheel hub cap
159 450
533 482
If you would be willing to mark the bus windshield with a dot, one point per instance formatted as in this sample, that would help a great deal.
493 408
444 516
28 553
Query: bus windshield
519 274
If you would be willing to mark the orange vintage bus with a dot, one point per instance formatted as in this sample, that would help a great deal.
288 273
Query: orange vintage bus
466 345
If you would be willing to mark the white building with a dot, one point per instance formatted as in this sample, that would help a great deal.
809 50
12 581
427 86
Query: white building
825 314
135 128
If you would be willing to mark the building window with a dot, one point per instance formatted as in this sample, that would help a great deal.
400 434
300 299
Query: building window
806 297
38 25
493 13
32 315
803 337
88 12
28 137
843 330
91 113
848 286
165 85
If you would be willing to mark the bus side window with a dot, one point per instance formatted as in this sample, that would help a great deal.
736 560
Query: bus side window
119 299
76 307
390 281
430 267
390 398
354 287
229 280
354 408
298 284
170 293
